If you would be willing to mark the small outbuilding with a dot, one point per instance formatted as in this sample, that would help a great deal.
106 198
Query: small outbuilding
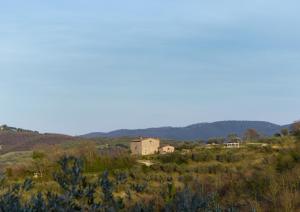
166 149
232 145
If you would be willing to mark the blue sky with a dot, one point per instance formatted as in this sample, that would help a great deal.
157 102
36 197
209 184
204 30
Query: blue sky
80 66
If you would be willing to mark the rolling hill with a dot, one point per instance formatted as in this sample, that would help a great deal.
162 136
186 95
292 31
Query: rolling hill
202 131
11 141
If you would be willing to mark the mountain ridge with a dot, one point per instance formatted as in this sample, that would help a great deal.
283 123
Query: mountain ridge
200 130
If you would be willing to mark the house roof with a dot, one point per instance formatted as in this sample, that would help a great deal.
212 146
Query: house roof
167 146
141 139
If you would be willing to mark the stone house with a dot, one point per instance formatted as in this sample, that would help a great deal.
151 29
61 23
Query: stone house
147 146
166 149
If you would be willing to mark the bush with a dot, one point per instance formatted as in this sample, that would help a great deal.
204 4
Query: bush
168 167
257 184
173 158
139 188
285 162
101 163
38 155
228 156
215 168
203 156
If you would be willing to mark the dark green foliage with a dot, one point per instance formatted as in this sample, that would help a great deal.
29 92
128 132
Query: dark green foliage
258 184
287 160
188 201
37 203
185 200
295 129
106 186
37 155
216 141
70 178
139 187
233 138
168 167
2 180
284 132
185 178
228 156
10 200
168 191
187 145
174 158
102 163
143 207
203 156
121 177
77 194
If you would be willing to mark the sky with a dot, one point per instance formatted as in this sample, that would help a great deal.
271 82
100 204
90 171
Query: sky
75 66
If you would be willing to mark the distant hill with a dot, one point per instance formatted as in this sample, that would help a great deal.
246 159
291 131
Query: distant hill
5 128
202 131
20 140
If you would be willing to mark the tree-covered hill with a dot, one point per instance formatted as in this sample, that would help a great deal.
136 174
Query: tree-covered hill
197 131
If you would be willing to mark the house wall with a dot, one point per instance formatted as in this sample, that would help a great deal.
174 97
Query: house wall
147 146
136 148
150 146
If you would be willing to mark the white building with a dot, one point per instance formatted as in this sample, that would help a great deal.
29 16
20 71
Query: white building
166 149
232 145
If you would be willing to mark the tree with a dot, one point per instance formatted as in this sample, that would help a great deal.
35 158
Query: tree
251 134
284 132
40 163
216 140
233 138
296 128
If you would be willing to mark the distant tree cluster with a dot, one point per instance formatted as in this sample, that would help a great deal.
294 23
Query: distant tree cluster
216 140
6 128
251 134
295 129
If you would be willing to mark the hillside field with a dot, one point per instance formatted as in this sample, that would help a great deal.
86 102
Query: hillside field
262 175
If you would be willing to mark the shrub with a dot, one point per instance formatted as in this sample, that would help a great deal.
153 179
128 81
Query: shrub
139 187
203 156
287 159
257 184
173 158
228 156
101 163
121 177
170 167
38 155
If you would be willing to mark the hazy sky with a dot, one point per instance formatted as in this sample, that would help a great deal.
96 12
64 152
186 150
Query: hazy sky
78 66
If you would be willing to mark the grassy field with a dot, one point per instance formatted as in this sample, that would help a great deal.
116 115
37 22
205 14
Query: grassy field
261 175
15 158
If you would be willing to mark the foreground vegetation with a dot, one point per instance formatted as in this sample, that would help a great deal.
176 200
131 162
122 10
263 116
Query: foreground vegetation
262 175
